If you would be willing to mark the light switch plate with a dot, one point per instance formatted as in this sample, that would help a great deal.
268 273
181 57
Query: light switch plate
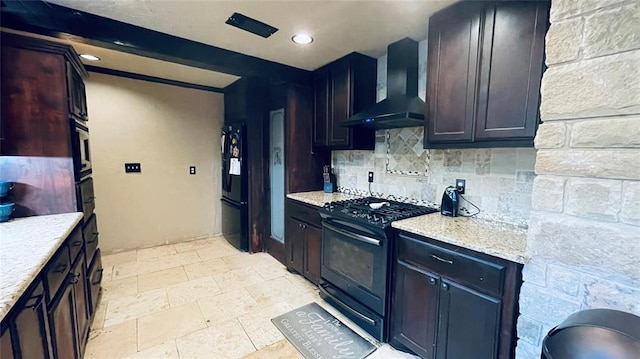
192 170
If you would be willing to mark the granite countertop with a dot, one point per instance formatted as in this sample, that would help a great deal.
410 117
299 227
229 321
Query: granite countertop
500 240
26 245
319 198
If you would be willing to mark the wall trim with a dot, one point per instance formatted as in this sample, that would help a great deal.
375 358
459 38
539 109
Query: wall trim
131 75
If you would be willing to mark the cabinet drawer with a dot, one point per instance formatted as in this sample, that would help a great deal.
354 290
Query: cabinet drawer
94 279
304 213
75 243
447 263
90 233
86 197
57 270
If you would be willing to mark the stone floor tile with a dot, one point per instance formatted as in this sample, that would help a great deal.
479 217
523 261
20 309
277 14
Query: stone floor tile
216 251
193 245
226 340
273 272
134 306
155 252
300 300
238 278
282 349
118 258
169 324
113 342
119 288
226 306
206 268
161 279
166 350
275 291
192 290
258 326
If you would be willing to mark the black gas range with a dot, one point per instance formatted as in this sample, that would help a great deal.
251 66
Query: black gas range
356 257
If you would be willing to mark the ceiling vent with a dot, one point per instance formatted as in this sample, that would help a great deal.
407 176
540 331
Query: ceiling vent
251 25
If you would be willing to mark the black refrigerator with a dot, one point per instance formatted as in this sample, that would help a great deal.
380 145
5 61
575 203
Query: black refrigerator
235 226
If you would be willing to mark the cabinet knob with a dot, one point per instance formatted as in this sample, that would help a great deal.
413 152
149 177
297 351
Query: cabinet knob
445 286
432 281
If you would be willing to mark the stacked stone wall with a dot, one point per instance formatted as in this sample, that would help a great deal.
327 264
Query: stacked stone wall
584 228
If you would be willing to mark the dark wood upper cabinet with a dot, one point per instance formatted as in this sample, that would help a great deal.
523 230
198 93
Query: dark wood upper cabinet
342 89
452 70
511 70
485 66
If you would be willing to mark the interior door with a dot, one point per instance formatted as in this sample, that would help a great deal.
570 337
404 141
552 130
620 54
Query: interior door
276 173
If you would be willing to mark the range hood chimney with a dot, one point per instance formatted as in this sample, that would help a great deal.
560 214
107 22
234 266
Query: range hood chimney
402 107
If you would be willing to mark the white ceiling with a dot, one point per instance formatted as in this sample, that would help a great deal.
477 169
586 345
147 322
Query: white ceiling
338 27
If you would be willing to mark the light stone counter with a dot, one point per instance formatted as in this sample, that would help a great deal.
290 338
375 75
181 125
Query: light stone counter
26 245
497 239
319 198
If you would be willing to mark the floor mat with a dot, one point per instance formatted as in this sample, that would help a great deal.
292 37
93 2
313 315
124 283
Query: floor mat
319 335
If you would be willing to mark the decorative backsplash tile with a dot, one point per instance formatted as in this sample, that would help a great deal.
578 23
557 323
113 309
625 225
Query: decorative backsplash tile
405 154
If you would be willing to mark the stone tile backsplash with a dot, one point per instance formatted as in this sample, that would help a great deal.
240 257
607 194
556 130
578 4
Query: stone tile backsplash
499 180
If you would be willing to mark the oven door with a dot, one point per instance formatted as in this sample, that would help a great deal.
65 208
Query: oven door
355 263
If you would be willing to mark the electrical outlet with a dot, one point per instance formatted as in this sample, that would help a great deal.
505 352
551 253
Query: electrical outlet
192 170
132 167
461 185
370 177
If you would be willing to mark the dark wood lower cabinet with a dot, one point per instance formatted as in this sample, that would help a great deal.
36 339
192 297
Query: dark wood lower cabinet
80 293
32 327
414 315
63 324
452 303
469 323
6 347
295 244
313 248
303 239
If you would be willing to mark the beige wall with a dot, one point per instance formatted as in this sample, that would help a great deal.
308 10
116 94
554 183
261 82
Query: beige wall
166 129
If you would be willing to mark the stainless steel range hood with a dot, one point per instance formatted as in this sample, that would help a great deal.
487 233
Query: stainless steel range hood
402 107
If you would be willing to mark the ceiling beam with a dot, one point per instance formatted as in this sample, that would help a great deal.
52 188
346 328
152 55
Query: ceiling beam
58 21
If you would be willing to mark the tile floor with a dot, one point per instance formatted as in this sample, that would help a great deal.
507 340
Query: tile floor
200 299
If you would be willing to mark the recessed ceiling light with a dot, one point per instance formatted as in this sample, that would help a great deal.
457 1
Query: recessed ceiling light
302 39
90 57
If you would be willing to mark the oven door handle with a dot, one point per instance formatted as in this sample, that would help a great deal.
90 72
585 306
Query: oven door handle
355 236
348 308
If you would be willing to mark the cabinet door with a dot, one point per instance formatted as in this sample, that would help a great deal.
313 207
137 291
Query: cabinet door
76 94
79 281
32 326
6 347
340 105
512 63
294 241
313 250
62 320
414 309
454 36
469 323
321 107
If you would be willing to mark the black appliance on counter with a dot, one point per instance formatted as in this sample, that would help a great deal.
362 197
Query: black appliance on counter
356 258
235 220
450 202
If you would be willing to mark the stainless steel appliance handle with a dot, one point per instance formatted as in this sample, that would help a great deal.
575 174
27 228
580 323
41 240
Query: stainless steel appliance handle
355 236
